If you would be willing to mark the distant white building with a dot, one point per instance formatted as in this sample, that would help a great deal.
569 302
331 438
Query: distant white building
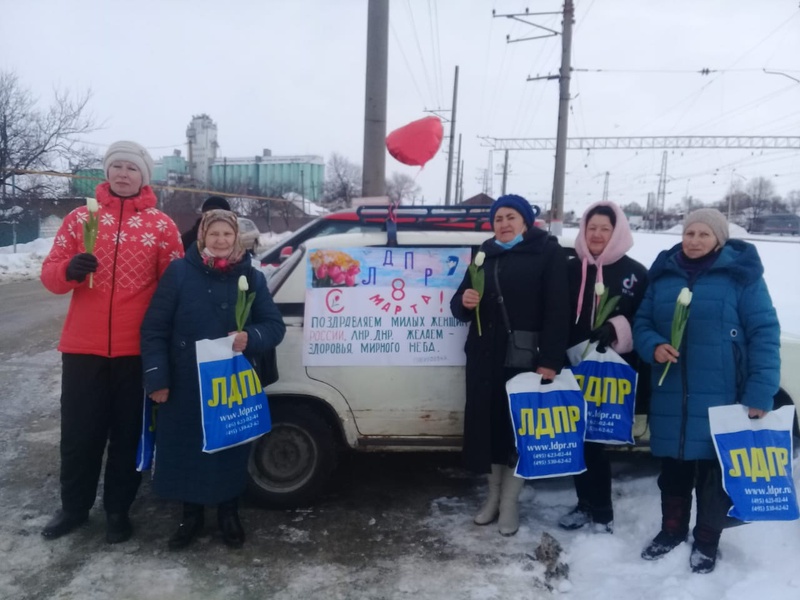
201 139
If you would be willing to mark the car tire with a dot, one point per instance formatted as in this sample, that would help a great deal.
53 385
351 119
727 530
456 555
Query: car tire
291 464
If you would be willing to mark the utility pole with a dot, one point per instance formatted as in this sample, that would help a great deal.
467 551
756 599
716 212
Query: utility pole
662 189
452 140
557 208
373 181
557 204
458 170
605 188
505 172
461 184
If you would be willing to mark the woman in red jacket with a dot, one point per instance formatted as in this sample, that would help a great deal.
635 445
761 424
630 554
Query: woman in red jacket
101 387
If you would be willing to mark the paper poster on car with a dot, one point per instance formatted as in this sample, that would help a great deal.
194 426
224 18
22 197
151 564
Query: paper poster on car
379 306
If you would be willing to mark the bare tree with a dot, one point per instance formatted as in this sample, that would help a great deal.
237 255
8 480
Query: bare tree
761 192
342 181
401 187
633 209
32 138
793 201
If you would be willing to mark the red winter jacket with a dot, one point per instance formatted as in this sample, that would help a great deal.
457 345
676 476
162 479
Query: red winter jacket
135 243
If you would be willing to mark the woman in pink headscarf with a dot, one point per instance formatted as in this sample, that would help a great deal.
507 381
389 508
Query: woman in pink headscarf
602 242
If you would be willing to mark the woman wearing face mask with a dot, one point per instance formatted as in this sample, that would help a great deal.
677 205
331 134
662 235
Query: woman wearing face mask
729 354
532 275
196 300
603 240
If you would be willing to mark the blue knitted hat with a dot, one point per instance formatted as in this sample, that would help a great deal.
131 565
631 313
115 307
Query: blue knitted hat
518 203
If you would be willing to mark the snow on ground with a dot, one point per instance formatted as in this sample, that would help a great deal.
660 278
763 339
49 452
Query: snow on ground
759 560
26 263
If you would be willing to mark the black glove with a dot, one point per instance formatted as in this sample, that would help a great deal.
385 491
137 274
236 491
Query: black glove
605 335
80 266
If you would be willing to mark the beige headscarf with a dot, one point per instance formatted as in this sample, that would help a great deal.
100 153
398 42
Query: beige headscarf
210 217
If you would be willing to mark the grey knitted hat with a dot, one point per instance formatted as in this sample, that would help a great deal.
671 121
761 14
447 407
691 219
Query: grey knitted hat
711 217
132 152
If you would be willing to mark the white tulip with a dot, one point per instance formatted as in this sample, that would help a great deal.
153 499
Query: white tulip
91 205
479 258
685 297
599 289
243 285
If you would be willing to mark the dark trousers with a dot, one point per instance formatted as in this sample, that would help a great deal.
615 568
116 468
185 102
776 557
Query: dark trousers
677 480
101 405
593 486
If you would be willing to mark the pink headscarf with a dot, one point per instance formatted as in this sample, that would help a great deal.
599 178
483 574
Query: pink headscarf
621 241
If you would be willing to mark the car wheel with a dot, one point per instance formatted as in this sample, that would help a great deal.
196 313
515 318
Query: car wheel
291 464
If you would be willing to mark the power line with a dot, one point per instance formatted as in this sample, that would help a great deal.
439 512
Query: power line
419 49
408 65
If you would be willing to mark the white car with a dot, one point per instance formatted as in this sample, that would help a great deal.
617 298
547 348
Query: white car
319 410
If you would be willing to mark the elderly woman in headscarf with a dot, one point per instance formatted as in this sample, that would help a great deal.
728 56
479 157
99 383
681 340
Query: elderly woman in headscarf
525 271
195 300
730 353
603 240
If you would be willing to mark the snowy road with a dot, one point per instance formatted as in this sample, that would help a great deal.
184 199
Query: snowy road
391 527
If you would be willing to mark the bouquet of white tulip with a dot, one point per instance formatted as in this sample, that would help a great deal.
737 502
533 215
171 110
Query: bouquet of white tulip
604 309
477 277
244 302
679 319
90 231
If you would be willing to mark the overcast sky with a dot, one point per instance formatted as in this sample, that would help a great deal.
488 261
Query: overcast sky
289 75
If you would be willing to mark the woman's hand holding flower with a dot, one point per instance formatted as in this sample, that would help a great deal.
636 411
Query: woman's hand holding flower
665 353
240 341
470 298
160 396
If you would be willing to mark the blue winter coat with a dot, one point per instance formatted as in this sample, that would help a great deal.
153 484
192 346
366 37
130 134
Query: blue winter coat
193 302
730 351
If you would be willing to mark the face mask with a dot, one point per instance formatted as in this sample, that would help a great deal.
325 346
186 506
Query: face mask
511 244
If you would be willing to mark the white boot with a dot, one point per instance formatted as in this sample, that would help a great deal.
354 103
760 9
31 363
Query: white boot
510 489
489 510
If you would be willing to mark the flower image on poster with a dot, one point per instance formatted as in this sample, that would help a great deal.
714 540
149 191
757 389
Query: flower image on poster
331 268
379 306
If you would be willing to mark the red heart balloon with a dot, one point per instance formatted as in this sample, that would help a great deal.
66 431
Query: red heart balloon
416 143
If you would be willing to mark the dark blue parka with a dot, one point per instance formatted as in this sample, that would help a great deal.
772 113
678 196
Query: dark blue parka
730 351
533 282
194 302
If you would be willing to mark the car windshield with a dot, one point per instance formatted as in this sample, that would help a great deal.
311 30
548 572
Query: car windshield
277 275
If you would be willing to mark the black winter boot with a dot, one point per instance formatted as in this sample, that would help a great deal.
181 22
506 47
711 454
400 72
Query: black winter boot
704 549
675 514
229 524
576 518
118 528
62 523
190 526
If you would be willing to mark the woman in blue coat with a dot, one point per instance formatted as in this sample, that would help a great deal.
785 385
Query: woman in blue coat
729 354
195 300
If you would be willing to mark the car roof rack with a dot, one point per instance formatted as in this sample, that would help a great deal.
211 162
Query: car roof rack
470 217
475 218
416 214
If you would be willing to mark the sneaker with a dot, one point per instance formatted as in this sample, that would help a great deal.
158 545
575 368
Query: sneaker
703 560
662 544
603 527
575 519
